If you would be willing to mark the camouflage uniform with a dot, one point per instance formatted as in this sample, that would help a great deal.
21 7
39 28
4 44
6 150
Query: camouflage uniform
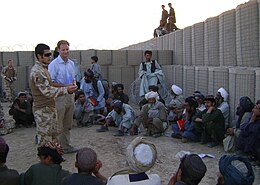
172 15
44 105
6 126
164 17
9 76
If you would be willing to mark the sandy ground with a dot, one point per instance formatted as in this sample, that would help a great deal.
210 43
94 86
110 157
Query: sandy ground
111 151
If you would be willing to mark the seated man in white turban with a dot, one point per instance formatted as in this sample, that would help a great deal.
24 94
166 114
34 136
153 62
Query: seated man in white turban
122 116
176 93
222 104
141 156
153 116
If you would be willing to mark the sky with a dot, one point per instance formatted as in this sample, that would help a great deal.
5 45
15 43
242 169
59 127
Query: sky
95 24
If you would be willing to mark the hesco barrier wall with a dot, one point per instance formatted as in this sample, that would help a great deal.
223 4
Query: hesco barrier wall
205 56
218 48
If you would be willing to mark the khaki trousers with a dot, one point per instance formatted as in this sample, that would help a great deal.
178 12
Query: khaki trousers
65 107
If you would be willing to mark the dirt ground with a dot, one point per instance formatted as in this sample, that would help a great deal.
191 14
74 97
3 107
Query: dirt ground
111 151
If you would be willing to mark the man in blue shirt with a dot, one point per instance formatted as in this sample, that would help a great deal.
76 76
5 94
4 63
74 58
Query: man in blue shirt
94 91
62 73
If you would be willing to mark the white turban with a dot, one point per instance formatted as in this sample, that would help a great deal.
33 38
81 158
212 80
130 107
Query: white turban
152 95
223 93
177 90
141 155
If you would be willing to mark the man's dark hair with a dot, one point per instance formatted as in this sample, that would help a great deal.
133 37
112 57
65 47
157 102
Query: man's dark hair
55 53
210 98
95 58
47 151
80 93
193 169
119 85
154 88
192 102
89 73
148 52
39 49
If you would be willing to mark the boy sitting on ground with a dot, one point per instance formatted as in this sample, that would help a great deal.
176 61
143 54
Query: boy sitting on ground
7 176
87 164
122 115
48 171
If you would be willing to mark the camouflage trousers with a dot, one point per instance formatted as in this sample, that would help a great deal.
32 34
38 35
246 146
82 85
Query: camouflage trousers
7 127
9 91
46 125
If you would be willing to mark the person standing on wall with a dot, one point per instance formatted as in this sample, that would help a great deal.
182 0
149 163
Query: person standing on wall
164 15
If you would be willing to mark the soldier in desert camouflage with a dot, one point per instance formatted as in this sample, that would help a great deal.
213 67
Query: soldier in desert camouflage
44 93
6 125
9 76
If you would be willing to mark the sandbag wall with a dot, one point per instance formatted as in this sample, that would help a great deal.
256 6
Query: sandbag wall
119 66
222 51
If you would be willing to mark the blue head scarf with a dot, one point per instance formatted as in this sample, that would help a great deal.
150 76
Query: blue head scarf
240 174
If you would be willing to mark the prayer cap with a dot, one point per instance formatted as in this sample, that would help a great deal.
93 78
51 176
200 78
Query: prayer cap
21 93
223 93
141 155
177 90
151 94
117 103
193 167
236 170
246 103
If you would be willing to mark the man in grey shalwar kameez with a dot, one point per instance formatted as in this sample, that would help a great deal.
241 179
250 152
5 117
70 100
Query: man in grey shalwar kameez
153 116
122 116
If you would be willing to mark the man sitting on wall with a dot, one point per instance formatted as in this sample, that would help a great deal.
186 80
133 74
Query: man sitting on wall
150 73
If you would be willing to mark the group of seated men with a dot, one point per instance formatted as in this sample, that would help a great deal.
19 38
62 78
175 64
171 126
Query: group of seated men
141 156
197 118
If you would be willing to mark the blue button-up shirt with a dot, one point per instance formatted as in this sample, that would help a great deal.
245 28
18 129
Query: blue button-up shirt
62 72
